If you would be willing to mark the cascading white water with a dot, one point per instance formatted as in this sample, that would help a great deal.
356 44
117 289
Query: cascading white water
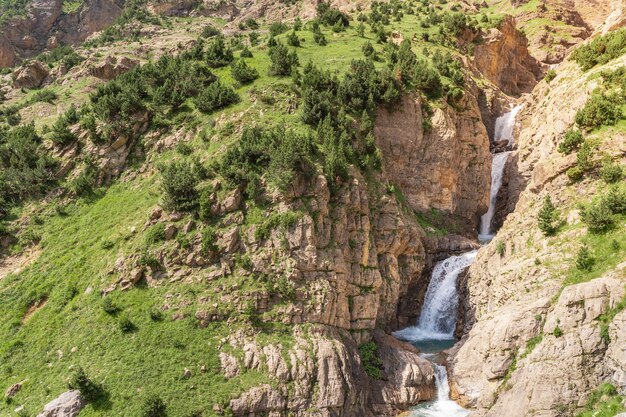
505 125
435 330
439 312
443 406
497 172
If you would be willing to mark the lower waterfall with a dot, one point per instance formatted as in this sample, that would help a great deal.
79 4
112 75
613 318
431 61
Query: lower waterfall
435 331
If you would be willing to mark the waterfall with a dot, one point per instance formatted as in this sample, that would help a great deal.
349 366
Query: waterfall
435 331
505 125
439 313
497 172
443 406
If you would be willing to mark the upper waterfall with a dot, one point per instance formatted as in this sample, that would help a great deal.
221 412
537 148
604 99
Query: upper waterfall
505 126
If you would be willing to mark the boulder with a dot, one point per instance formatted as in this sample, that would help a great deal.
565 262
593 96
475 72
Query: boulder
68 404
31 75
13 390
112 67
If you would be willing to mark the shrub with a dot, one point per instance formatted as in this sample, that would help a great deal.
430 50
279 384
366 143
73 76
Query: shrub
571 141
615 200
368 50
584 158
215 97
218 54
600 109
44 96
575 173
318 37
154 234
209 240
550 75
584 260
90 390
611 172
252 24
500 248
179 181
278 28
557 331
598 217
61 133
64 54
282 61
370 360
210 31
293 39
86 181
243 73
156 315
109 306
26 170
126 325
245 53
330 16
601 50
153 406
548 217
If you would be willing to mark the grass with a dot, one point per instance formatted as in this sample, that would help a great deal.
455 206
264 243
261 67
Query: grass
70 273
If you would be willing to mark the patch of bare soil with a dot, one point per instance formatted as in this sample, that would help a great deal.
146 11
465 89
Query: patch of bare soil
15 264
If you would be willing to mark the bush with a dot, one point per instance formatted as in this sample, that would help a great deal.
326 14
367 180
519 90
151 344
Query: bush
611 172
218 54
584 260
571 141
215 97
210 31
64 54
153 406
44 96
318 36
370 360
278 28
90 390
209 241
252 24
154 234
243 73
548 217
26 170
109 306
500 248
245 53
330 16
600 110
598 217
575 173
615 200
126 325
601 50
293 39
85 182
550 75
282 61
179 180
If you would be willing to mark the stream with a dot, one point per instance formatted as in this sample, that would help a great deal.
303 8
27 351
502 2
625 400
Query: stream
434 331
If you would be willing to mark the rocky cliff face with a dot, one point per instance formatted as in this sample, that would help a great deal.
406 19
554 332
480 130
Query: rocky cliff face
502 57
446 167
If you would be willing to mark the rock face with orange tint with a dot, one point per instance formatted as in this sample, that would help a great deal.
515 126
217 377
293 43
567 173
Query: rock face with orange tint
446 166
502 57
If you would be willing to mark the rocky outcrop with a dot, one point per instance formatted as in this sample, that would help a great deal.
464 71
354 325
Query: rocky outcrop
46 26
112 66
325 361
446 167
31 75
502 57
68 404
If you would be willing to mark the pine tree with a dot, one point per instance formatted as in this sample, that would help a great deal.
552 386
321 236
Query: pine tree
548 217
584 260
